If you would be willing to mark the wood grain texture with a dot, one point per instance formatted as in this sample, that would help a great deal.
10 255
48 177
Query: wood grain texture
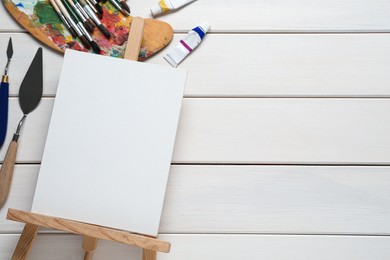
149 254
88 229
25 242
227 247
282 65
7 171
269 15
158 35
135 39
242 203
256 131
23 19
89 246
256 199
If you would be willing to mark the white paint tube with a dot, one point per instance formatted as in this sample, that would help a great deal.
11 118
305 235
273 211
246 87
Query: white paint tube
168 5
187 44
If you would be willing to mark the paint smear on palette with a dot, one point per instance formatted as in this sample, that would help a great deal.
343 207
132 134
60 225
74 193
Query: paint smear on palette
43 16
48 21
26 6
115 46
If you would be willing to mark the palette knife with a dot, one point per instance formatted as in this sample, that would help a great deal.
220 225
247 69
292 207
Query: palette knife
30 94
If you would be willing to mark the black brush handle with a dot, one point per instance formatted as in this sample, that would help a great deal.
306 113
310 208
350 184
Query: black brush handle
104 31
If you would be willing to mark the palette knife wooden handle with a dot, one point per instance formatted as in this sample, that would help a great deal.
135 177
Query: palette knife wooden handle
7 171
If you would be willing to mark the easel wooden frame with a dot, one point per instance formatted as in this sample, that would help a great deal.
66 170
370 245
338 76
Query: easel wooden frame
91 233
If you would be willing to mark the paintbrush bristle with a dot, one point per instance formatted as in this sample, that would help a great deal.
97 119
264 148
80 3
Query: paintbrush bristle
100 10
95 47
72 32
104 31
91 22
88 26
85 42
125 6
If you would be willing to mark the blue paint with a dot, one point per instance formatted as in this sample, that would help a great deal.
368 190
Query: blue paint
199 31
20 5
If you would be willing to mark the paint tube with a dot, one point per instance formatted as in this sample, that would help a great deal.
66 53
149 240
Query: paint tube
168 5
187 45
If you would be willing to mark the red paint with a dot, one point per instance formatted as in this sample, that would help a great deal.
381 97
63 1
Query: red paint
109 19
55 35
119 33
59 39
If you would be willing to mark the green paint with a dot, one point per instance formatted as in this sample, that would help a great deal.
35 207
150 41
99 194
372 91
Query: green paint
46 13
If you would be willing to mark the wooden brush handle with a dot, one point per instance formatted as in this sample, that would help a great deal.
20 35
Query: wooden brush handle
7 171
135 39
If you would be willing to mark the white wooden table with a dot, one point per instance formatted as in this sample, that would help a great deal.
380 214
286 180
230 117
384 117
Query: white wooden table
283 148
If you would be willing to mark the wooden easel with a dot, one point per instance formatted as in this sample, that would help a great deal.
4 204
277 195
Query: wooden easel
91 233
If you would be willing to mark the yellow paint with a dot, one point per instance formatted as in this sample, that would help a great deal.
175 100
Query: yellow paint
163 6
68 38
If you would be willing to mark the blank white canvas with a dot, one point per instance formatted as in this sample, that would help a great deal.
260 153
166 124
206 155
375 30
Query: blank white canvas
107 155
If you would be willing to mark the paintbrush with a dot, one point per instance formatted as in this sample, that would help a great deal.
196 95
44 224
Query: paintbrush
80 8
96 20
124 5
95 6
84 31
73 24
80 15
119 7
62 17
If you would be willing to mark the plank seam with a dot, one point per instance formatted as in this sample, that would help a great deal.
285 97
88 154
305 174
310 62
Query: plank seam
234 234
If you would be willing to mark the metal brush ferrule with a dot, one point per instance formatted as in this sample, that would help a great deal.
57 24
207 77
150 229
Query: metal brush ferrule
67 25
80 8
91 14
79 13
84 31
4 78
75 27
92 6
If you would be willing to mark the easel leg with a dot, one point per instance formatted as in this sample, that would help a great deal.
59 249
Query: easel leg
89 246
149 254
25 242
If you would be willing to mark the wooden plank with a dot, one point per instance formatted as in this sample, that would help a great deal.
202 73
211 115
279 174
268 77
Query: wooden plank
257 199
270 65
227 247
288 65
255 131
284 131
265 16
65 247
20 196
276 247
7 23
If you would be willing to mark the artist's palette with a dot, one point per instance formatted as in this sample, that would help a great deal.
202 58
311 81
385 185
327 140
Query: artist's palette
40 19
